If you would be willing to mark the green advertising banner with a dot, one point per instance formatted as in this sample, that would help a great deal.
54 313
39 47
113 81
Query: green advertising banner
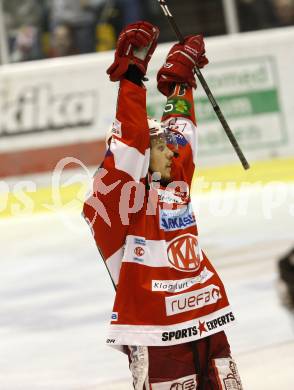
248 95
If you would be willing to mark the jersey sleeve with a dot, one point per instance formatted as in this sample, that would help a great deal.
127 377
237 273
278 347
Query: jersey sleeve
179 110
125 165
129 152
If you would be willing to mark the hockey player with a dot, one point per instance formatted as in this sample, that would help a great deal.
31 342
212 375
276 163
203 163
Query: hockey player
286 282
171 308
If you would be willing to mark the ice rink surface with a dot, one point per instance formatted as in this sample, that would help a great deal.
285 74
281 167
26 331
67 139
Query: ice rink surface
56 298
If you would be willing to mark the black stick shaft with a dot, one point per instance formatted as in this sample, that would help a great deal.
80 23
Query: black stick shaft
207 90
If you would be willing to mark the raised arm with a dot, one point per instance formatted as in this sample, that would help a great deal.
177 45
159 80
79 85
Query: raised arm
127 157
176 80
129 141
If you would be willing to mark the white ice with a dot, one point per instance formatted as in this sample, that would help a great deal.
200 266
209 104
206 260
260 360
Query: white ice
56 297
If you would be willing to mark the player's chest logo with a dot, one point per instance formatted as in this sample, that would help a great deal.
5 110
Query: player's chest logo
181 218
184 253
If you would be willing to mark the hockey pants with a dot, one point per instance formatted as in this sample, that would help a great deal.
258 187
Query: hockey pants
205 364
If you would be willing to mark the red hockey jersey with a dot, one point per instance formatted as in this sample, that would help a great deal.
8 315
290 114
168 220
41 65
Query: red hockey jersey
167 291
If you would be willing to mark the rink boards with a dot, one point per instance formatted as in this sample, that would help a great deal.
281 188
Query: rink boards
51 109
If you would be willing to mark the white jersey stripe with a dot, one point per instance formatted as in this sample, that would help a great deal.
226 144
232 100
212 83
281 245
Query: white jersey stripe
128 159
113 264
149 253
153 252
170 334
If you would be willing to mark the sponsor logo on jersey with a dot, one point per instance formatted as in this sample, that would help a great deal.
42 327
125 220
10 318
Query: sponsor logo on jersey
179 334
116 128
139 251
140 241
220 321
192 300
201 327
186 383
174 286
110 341
184 253
114 316
180 218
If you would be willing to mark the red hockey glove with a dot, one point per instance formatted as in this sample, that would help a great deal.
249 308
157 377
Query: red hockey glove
136 44
180 63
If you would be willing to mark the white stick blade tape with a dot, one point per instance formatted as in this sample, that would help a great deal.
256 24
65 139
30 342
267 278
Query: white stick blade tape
167 10
164 8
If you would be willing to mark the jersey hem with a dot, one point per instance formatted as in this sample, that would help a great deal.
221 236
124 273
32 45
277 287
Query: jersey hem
158 335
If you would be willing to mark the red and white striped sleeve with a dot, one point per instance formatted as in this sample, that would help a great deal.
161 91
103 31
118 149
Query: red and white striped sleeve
126 160
129 151
179 108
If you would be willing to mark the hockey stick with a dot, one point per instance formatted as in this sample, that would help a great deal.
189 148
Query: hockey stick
206 88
